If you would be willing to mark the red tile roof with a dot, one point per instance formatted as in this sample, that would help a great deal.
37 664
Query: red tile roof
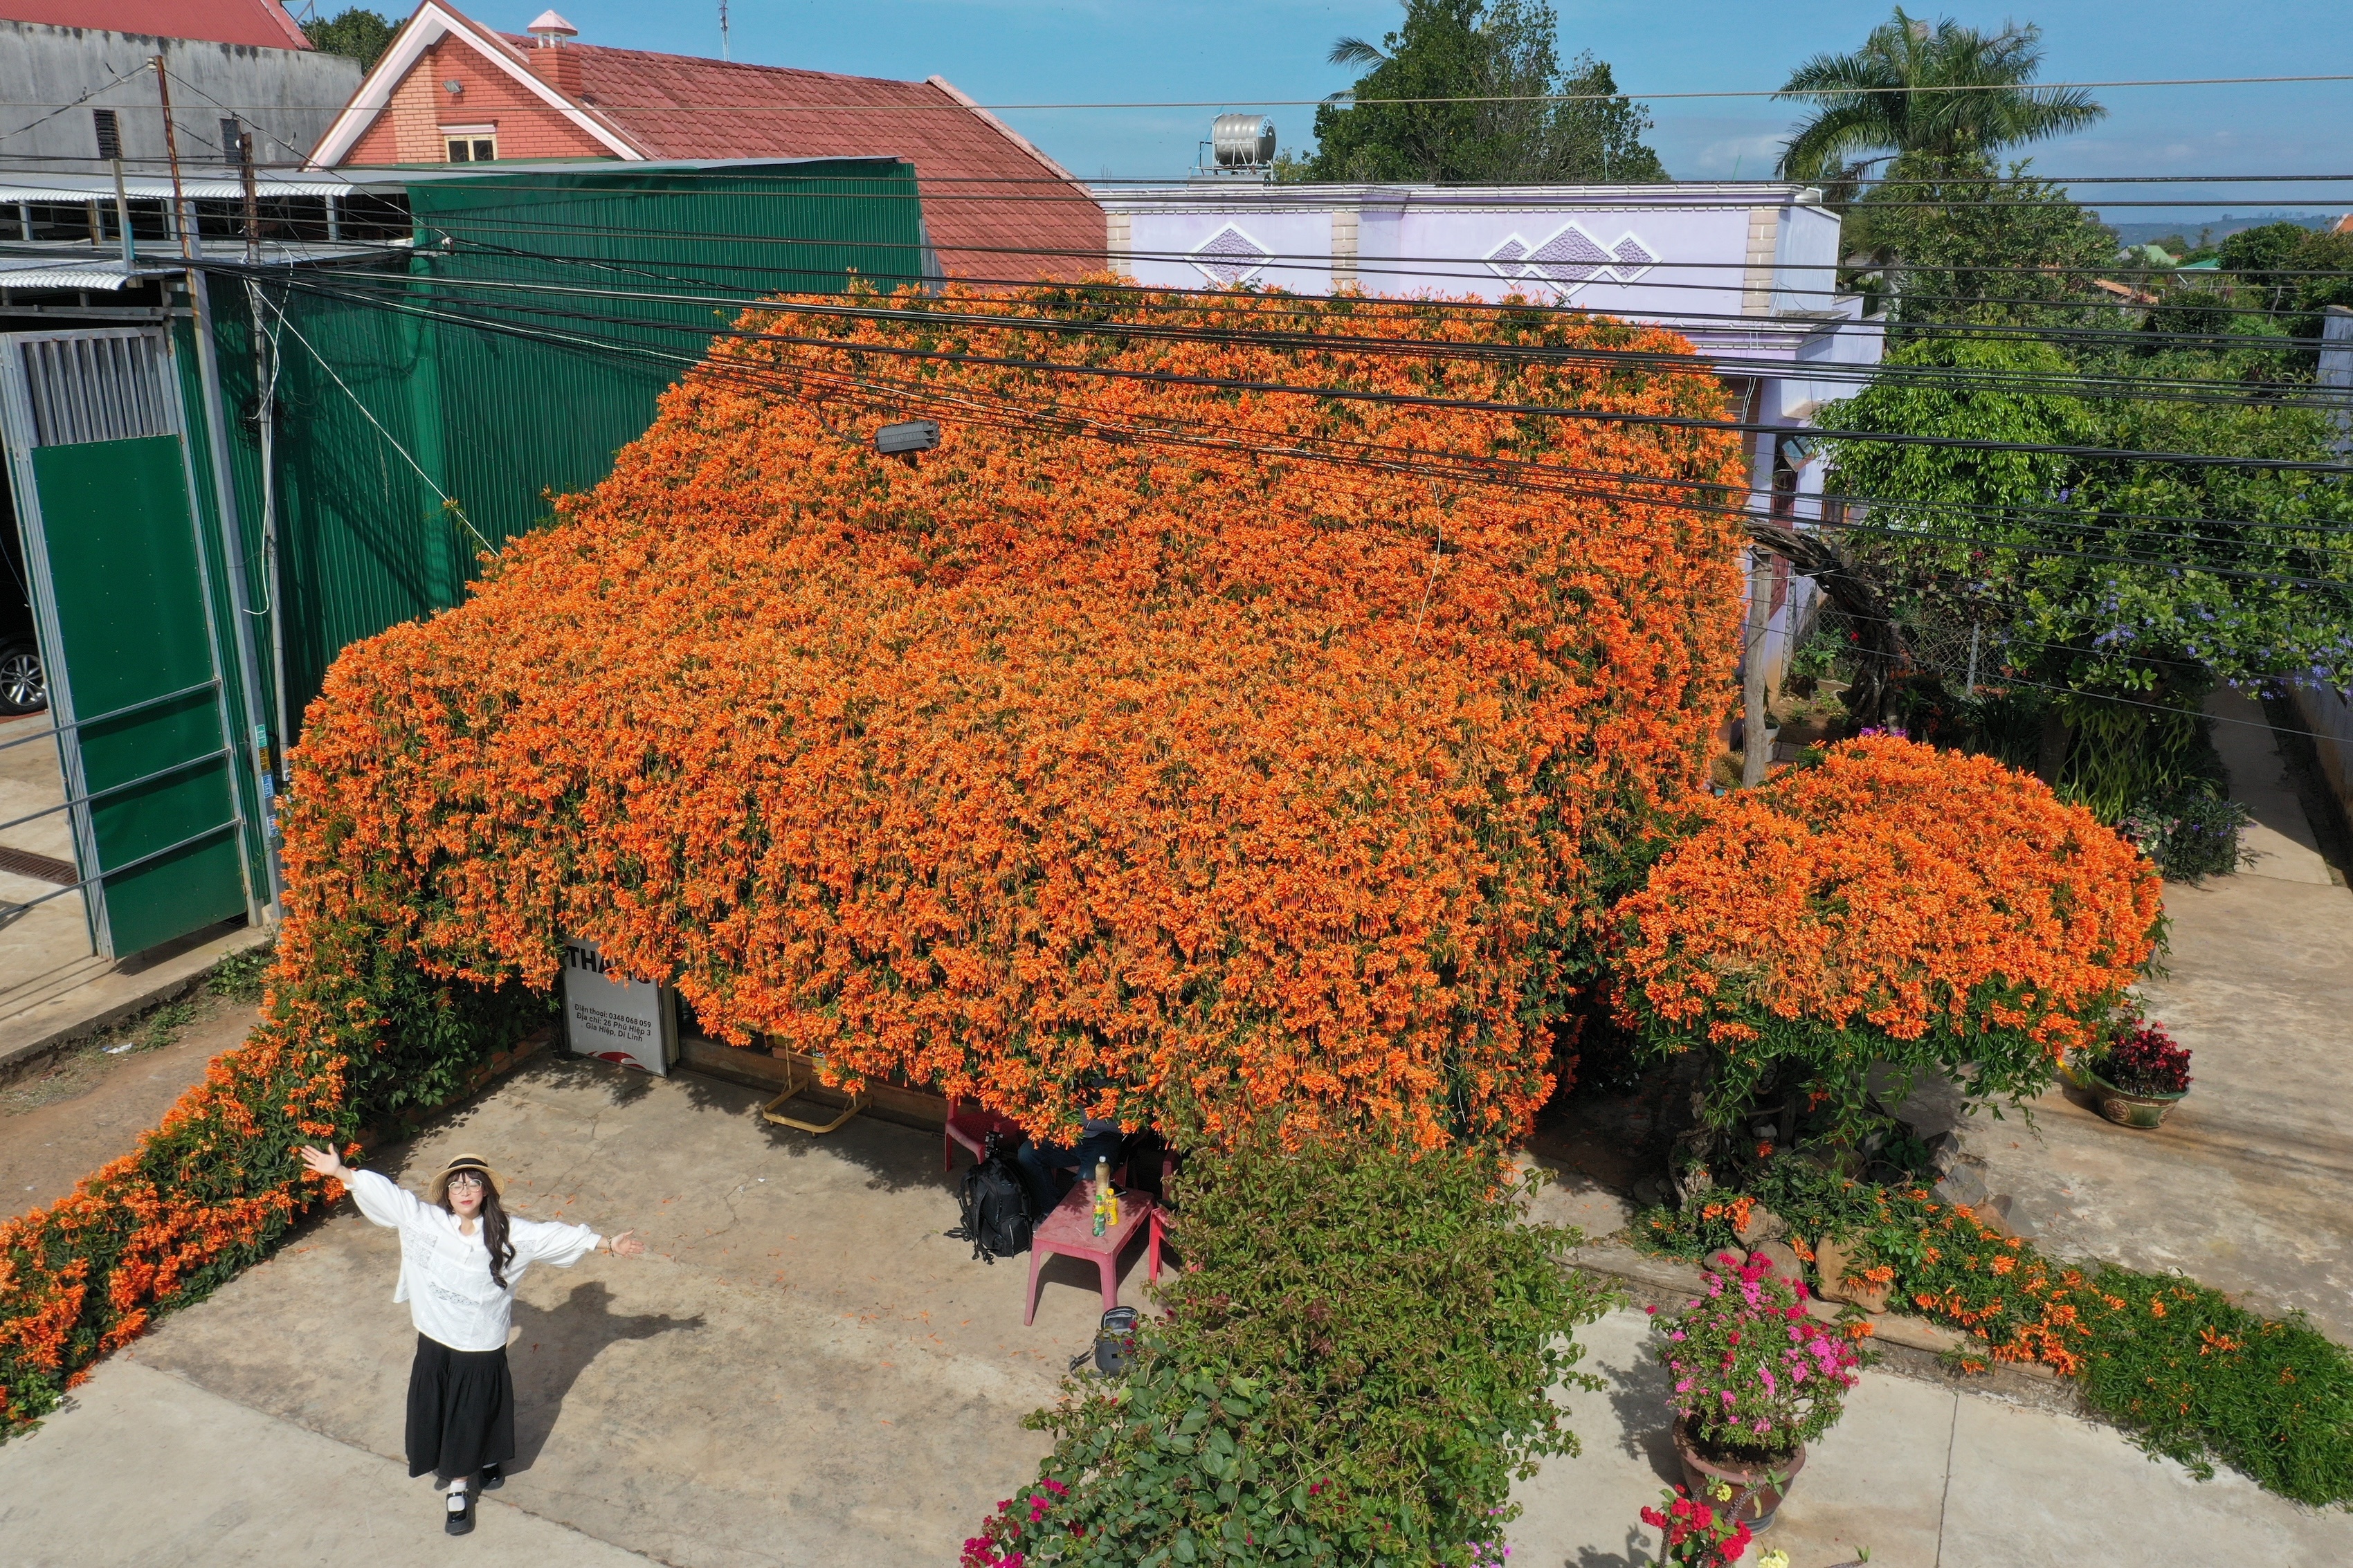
996 206
262 23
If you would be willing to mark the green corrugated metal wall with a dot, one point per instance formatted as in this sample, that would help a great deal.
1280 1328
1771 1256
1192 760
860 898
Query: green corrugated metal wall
404 368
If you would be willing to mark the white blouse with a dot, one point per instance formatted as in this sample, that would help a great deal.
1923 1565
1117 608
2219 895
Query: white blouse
445 1275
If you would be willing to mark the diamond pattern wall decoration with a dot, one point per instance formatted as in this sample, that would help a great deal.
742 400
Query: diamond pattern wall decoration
1508 258
1631 257
1568 259
1230 256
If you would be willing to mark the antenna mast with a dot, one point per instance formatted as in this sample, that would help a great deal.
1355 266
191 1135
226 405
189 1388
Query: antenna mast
723 29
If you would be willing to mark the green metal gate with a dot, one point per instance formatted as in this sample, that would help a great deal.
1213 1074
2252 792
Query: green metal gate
98 456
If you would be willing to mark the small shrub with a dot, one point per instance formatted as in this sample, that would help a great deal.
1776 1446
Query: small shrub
1698 1534
2190 834
1353 1370
240 977
2145 1060
1755 1377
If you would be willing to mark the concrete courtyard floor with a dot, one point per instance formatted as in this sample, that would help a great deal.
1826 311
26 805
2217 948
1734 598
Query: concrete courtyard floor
805 1370
2248 1185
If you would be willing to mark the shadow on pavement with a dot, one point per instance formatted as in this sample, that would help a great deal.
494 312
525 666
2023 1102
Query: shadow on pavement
1638 1397
556 1346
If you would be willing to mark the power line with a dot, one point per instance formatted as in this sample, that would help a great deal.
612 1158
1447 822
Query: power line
1471 270
1484 474
2077 383
1020 323
1330 100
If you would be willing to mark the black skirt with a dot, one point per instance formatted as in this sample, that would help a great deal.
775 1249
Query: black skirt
460 1410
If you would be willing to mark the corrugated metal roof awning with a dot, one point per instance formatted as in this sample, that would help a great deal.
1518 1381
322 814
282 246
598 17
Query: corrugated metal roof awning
41 272
22 187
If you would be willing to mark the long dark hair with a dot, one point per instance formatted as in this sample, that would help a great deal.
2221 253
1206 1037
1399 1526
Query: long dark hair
494 1222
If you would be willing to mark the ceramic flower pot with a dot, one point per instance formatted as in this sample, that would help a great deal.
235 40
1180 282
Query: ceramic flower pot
1762 1498
2126 1109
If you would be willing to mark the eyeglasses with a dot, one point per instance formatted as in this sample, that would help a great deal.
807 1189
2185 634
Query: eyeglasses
465 1179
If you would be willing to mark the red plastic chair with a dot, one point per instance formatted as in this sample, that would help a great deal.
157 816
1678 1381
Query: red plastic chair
969 1126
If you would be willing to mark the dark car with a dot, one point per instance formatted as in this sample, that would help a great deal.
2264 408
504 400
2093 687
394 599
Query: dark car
23 685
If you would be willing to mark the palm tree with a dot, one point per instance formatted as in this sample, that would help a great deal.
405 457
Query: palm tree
1943 90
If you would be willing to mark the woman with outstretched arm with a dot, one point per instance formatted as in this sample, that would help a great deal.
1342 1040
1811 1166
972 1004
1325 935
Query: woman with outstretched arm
460 1255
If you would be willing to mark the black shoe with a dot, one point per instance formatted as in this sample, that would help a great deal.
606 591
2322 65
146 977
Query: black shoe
493 1479
460 1518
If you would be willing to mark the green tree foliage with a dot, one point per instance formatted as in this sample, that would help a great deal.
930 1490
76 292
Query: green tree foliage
1353 1369
1499 51
1953 237
362 35
2119 589
1896 95
2293 271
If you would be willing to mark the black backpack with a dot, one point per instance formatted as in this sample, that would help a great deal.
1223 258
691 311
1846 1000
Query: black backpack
997 1217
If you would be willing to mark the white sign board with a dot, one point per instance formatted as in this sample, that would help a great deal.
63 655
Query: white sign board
610 1016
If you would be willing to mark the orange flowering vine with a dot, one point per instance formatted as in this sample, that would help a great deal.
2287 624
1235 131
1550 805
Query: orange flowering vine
1895 903
1148 750
1151 749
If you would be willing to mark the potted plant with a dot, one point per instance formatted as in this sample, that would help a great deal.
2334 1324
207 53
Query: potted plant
1694 1534
1754 1380
2140 1076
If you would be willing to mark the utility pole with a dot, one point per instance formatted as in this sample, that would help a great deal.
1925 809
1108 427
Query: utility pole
262 904
1755 750
252 203
181 216
723 29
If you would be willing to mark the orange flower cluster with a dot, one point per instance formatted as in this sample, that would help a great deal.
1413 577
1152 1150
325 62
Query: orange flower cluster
1151 749
207 1192
1895 903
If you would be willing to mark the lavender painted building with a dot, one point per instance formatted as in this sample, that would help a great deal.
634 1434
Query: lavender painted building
1746 272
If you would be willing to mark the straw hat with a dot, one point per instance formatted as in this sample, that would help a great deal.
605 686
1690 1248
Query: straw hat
438 1188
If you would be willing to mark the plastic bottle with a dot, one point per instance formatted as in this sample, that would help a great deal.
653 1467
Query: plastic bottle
1101 1218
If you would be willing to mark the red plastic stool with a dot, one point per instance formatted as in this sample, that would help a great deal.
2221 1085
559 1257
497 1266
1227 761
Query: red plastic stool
970 1126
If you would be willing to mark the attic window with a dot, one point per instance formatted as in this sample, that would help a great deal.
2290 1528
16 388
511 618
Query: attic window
471 143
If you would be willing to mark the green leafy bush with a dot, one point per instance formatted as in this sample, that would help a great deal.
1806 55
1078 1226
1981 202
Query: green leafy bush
2190 834
1353 1370
2197 1379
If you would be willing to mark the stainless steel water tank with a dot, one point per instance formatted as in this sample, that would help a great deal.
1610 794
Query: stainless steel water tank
1242 140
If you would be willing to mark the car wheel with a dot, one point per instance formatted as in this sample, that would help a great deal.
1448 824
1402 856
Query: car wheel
24 684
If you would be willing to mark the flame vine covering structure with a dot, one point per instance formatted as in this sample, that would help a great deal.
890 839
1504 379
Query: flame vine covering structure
1164 774
1161 751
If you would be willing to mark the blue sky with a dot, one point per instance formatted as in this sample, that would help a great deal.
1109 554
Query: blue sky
1245 52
